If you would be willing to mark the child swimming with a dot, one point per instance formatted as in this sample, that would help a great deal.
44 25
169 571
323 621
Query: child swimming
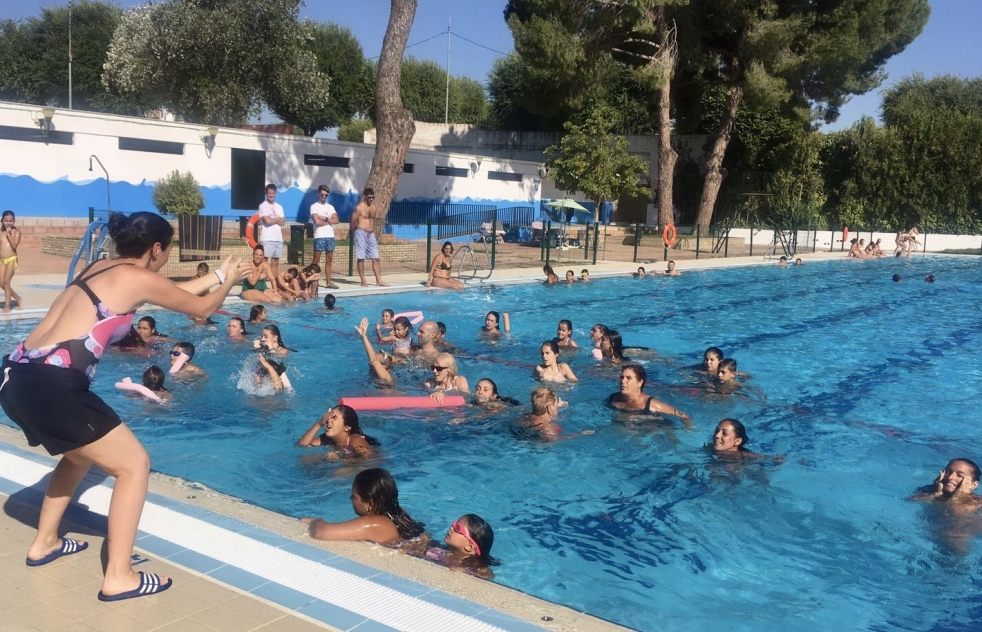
551 368
469 540
401 337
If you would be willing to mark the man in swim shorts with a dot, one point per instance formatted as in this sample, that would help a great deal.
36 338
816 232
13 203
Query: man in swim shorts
324 218
273 218
363 231
955 484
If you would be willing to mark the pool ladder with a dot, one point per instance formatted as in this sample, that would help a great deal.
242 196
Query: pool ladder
92 247
468 256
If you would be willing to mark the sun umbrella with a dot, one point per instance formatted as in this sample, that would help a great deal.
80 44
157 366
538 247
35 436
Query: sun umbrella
565 209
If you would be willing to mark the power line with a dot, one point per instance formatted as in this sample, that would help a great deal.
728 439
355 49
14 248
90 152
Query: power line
476 44
440 34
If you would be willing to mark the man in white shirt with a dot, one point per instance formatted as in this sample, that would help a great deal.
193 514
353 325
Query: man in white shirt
272 217
324 217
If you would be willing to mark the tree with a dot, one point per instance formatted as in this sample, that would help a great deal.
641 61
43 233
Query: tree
394 122
592 160
354 130
34 58
218 61
178 194
339 58
802 57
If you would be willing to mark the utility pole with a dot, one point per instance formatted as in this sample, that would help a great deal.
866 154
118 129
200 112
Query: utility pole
70 54
446 109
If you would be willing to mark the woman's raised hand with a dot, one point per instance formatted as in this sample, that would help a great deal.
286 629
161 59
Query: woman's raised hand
362 329
234 267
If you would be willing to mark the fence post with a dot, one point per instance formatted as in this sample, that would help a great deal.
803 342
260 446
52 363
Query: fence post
637 240
91 214
494 235
726 245
547 236
429 242
815 242
596 241
586 244
697 240
751 241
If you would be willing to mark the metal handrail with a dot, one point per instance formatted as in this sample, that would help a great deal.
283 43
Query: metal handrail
91 253
465 251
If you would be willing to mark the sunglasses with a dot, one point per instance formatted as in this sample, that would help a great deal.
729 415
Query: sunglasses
460 529
369 197
436 367
176 353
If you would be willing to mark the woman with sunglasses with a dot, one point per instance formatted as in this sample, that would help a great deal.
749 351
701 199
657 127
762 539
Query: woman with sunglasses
469 540
440 269
445 377
375 500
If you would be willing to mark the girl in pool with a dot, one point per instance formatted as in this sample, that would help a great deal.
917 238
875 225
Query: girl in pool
257 314
564 334
236 329
631 397
401 337
375 500
711 358
341 432
260 284
440 270
387 322
552 369
147 328
469 540
490 328
570 276
46 390
486 395
180 362
8 257
611 347
153 378
271 342
379 363
445 376
551 276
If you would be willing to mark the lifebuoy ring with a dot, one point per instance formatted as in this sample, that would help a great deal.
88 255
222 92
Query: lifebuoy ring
669 235
251 231
845 234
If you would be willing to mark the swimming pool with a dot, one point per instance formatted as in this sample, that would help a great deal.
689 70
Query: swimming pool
861 383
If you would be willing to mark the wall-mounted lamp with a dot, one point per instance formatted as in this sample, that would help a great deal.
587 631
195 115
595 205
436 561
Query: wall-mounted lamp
208 138
535 186
543 171
43 119
476 164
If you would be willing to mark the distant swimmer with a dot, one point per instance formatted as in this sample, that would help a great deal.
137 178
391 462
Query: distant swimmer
956 485
669 270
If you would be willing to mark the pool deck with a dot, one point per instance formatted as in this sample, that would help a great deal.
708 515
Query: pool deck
237 567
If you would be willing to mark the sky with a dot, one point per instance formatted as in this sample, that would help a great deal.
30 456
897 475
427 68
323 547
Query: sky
949 44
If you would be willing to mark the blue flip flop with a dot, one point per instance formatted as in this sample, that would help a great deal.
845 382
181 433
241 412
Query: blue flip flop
150 584
68 547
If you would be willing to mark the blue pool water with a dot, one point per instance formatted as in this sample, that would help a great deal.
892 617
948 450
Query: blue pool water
865 386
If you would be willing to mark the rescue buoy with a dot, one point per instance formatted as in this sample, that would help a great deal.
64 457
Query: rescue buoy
669 235
845 234
250 231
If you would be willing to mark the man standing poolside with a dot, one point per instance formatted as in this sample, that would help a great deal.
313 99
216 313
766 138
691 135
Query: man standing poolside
363 230
955 484
272 217
324 218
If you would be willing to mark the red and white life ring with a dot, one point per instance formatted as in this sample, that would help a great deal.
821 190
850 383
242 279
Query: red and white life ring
669 235
250 231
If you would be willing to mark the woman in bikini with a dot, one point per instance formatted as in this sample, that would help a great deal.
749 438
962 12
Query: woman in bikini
440 270
258 286
632 398
341 432
8 257
46 390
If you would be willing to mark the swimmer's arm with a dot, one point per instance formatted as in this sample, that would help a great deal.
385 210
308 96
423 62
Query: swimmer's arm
380 369
145 286
572 343
568 372
311 438
358 445
370 528
658 406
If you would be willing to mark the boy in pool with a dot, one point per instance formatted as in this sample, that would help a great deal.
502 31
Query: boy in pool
955 484
584 275
726 376
545 409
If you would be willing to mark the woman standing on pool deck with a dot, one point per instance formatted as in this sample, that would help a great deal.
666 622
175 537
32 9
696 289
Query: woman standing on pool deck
8 257
440 270
632 398
46 389
375 499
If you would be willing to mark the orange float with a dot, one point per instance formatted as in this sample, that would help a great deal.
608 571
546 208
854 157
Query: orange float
669 235
250 231
845 234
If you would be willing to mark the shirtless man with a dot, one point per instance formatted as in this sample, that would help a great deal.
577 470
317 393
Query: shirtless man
428 334
669 271
363 232
955 485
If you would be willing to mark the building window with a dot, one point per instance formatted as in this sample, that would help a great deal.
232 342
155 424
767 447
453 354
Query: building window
152 146
248 179
505 175
35 135
408 167
452 172
326 161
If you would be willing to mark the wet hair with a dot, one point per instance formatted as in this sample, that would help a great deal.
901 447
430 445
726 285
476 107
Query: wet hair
497 317
203 268
389 312
350 418
5 215
616 344
741 433
378 489
442 327
186 348
150 320
293 273
641 270
279 367
256 312
568 323
270 187
603 328
716 351
241 323
153 378
929 278
728 363
404 322
548 269
896 278
132 340
312 268
552 345
584 271
329 301
976 472
385 358
482 533
542 397
273 329
494 392
136 234
639 372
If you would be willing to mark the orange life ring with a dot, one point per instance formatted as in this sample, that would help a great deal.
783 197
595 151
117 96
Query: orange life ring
845 234
669 235
251 231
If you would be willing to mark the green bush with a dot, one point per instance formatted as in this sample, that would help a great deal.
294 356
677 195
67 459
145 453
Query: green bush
178 194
